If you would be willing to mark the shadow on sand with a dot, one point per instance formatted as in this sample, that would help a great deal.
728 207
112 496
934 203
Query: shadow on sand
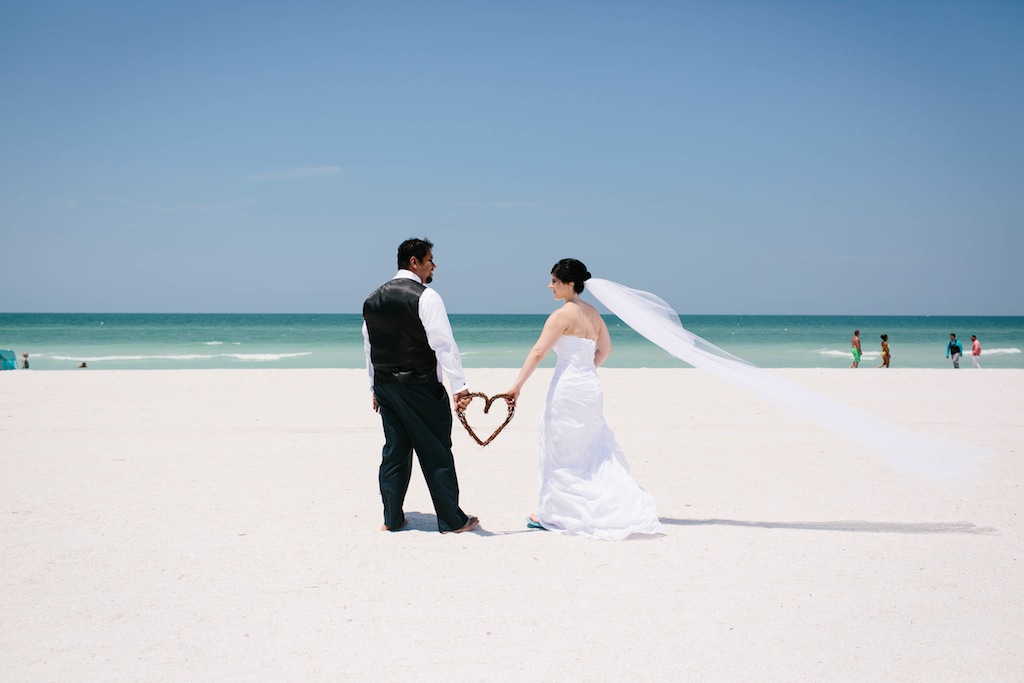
419 521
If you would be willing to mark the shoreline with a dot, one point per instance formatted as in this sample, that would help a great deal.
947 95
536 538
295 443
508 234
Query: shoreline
224 525
243 341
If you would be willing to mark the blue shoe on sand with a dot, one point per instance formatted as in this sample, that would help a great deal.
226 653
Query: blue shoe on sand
531 523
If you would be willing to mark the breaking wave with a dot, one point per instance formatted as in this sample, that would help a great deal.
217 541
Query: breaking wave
254 357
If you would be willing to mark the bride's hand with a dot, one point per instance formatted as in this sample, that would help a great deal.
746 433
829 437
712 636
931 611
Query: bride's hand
513 394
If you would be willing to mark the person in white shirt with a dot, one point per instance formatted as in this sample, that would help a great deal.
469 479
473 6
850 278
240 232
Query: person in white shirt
409 349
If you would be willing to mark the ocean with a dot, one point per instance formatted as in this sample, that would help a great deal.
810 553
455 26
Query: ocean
123 341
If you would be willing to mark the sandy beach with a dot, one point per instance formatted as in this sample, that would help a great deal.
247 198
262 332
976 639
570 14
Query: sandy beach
224 525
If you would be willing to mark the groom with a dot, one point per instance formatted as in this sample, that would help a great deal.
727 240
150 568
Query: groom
408 342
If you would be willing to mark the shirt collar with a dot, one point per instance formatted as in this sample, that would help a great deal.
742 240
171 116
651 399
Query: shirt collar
406 274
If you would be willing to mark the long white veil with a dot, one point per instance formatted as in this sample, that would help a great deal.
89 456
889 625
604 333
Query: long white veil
934 458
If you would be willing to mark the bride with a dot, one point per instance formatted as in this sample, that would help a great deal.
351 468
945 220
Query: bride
585 485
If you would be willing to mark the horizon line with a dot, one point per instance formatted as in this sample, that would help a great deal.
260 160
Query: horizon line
450 313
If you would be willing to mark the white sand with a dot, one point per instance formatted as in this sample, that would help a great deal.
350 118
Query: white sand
224 525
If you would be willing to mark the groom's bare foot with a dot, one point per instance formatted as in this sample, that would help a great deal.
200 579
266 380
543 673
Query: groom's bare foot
385 527
471 523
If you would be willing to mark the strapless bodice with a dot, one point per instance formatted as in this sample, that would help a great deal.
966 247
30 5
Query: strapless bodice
575 352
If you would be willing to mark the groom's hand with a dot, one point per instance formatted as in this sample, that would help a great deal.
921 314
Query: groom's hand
461 399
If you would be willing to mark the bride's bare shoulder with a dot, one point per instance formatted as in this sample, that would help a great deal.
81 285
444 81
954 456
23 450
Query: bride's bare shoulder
582 320
589 311
561 317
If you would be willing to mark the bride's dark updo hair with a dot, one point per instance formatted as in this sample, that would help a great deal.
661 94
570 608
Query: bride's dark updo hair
571 270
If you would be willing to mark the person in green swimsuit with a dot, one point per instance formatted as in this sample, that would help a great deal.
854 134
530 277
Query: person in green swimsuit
855 349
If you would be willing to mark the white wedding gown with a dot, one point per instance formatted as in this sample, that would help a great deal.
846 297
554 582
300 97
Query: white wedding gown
585 485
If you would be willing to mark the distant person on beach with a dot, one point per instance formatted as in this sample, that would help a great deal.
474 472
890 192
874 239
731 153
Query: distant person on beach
585 487
975 352
885 351
954 349
855 349
408 342
24 361
83 365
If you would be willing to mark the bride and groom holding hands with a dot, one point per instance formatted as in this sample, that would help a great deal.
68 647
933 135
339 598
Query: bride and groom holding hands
585 488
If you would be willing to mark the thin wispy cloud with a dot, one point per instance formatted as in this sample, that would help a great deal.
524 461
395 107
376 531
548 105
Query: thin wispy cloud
168 209
297 173
842 259
129 202
497 205
16 200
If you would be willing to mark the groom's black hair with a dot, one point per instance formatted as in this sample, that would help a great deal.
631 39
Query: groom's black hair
413 246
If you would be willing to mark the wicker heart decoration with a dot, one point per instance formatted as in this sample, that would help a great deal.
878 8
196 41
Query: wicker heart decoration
487 407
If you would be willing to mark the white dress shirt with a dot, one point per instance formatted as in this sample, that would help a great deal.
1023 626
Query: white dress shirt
434 317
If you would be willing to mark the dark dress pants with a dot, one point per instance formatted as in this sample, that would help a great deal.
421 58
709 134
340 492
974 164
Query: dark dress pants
417 417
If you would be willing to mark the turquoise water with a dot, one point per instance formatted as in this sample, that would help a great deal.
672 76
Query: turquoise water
168 341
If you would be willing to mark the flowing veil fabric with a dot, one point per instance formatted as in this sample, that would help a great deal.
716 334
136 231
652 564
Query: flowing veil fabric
934 458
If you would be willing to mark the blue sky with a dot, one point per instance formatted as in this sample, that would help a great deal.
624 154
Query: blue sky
733 157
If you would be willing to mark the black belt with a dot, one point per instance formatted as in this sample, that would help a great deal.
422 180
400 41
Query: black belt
404 377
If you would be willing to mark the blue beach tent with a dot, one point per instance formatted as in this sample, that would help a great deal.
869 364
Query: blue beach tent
8 361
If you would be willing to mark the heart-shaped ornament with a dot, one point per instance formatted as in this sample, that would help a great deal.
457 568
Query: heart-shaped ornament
510 404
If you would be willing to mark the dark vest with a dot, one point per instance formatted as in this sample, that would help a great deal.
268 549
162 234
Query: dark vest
399 350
